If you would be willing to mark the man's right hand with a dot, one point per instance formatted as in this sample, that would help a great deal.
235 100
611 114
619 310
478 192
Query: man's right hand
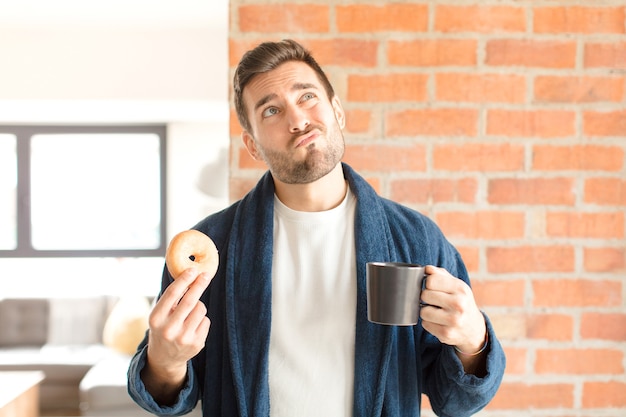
178 330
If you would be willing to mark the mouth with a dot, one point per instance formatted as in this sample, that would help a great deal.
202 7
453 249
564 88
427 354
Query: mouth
307 138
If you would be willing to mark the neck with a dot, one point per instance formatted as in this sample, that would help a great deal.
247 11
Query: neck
324 194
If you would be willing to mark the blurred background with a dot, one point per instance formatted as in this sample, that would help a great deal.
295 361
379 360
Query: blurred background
503 120
117 63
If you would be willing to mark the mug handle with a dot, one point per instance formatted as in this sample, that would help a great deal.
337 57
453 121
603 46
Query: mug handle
422 304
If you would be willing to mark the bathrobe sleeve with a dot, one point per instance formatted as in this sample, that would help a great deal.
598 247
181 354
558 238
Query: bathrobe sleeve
396 364
187 398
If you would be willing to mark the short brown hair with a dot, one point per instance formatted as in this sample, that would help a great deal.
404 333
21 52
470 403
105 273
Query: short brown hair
266 57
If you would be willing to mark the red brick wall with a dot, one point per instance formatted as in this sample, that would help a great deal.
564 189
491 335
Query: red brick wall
505 121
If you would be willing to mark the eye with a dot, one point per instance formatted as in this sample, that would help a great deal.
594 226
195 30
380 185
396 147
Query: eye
269 112
307 96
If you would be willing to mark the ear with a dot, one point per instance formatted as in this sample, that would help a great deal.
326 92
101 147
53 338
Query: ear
340 115
250 143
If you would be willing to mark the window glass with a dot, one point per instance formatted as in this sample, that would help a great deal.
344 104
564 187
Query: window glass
8 192
95 191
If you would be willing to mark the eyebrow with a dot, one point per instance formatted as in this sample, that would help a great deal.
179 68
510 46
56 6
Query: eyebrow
295 87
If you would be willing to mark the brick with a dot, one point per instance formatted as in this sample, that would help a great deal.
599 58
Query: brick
482 224
603 326
531 191
375 183
344 52
478 157
601 394
531 53
234 127
530 259
501 293
470 256
523 396
358 121
478 18
515 360
585 225
576 293
579 361
605 191
578 158
609 123
387 87
479 88
604 259
432 122
236 49
386 158
294 18
434 190
511 326
389 17
589 20
535 123
605 55
567 89
552 327
433 52
338 51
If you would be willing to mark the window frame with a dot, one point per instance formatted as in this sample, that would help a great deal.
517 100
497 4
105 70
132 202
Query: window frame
23 135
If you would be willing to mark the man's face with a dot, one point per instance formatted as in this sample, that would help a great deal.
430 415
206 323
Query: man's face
296 129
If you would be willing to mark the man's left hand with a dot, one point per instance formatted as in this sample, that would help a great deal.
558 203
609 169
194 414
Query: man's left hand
450 312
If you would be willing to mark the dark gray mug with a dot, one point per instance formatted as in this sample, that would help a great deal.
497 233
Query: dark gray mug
393 292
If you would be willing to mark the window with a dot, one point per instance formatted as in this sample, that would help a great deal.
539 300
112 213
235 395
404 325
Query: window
82 191
8 191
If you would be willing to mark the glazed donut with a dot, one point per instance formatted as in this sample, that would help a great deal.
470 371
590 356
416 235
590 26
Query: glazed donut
191 248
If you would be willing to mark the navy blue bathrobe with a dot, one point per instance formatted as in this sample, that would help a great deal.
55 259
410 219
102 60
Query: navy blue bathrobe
393 365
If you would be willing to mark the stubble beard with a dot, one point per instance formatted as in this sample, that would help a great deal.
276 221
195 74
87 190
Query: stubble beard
316 164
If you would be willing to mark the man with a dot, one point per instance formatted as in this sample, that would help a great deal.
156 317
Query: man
282 329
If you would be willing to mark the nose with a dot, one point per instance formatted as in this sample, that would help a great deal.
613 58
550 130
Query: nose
298 120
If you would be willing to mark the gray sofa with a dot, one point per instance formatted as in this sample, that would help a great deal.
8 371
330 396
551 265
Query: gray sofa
64 339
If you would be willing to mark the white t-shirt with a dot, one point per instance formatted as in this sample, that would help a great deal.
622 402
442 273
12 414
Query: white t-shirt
311 358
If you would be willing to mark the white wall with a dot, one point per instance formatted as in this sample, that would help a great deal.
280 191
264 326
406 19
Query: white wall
133 72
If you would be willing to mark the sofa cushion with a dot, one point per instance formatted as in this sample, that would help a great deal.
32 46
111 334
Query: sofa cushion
59 363
77 321
60 336
63 366
104 385
103 391
24 322
126 326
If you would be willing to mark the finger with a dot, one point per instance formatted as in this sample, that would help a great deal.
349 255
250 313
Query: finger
433 314
432 269
191 298
435 288
203 328
196 318
191 333
441 332
173 294
439 279
199 333
433 298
